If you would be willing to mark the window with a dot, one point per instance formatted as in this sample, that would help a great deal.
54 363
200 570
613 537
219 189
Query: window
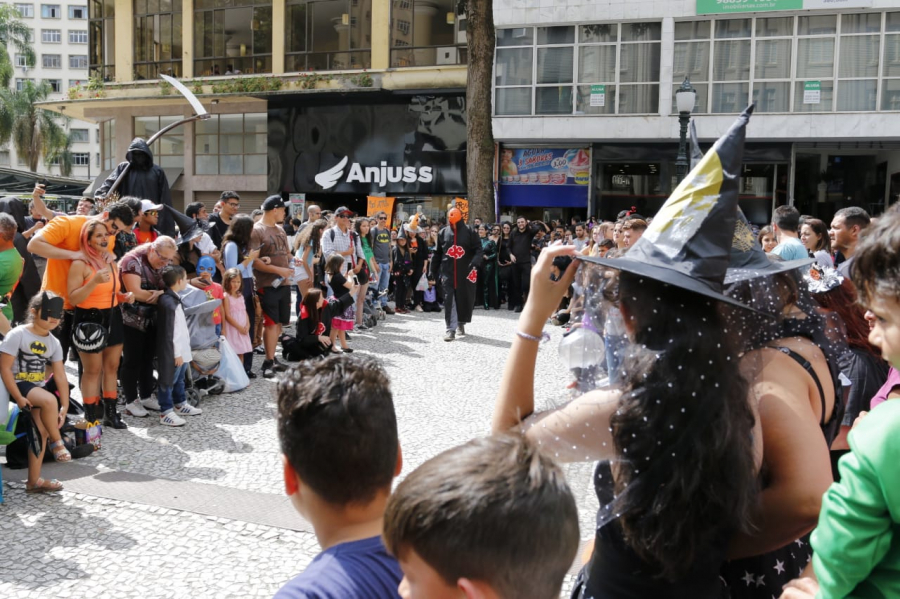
890 87
609 69
74 82
79 135
327 35
78 61
78 37
427 33
22 61
168 150
102 39
51 61
20 83
51 36
231 144
77 12
4 158
860 49
157 38
108 145
55 84
50 11
81 158
233 39
26 11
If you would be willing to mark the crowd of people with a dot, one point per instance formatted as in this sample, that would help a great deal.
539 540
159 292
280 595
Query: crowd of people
722 378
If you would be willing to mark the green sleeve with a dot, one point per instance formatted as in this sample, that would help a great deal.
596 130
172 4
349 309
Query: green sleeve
855 528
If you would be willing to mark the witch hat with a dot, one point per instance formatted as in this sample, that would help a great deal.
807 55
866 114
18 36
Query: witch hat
749 261
688 244
188 228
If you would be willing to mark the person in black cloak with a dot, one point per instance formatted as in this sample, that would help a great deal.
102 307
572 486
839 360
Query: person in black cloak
456 261
314 326
30 281
143 180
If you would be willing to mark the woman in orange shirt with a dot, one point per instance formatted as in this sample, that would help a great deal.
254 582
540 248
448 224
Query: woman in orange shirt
96 292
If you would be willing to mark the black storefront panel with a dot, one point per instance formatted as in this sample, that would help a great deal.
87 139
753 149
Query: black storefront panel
392 145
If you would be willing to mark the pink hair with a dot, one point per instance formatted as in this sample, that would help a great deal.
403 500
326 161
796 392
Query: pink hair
93 256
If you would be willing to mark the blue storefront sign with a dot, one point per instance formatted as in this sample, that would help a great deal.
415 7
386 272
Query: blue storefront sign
544 177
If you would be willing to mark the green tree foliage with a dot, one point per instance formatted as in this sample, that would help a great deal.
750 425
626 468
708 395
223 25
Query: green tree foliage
35 133
13 34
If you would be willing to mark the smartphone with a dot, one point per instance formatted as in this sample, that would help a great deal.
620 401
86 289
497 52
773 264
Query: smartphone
355 280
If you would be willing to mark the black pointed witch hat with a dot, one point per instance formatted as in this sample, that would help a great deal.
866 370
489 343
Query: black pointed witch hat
688 245
188 228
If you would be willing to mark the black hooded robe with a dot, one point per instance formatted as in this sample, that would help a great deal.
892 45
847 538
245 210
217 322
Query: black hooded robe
146 184
30 281
458 253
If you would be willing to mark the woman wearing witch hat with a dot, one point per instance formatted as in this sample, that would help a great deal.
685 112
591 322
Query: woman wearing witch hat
456 261
679 440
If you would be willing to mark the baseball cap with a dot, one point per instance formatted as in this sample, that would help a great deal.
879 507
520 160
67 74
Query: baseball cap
344 211
147 205
273 202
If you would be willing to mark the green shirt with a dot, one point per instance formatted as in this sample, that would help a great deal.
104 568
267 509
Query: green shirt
11 265
857 542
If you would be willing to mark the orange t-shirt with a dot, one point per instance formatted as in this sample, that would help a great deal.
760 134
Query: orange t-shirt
63 232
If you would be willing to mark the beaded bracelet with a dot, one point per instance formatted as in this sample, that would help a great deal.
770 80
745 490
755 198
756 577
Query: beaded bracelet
544 337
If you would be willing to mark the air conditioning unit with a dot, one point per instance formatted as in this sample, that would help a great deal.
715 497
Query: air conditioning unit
447 55
461 29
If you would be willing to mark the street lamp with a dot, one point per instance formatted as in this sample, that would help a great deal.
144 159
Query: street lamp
685 96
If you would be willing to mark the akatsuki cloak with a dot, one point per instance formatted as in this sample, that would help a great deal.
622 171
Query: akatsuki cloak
144 180
457 256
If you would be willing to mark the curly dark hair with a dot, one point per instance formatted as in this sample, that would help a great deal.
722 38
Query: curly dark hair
239 232
876 263
683 430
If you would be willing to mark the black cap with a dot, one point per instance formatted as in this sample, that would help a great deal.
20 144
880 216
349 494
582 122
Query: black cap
273 202
344 211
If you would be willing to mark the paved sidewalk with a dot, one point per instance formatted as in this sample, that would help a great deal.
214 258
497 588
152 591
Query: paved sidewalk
200 511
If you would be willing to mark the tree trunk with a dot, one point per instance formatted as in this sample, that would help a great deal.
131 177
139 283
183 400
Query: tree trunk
479 136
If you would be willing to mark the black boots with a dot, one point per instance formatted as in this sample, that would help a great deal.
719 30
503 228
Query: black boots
111 416
93 412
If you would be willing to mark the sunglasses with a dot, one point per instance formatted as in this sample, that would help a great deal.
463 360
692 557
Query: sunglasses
152 212
382 218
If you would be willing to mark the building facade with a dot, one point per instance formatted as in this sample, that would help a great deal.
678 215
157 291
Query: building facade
593 82
60 41
295 87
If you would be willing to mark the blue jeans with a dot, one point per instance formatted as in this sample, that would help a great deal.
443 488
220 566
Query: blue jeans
384 278
167 395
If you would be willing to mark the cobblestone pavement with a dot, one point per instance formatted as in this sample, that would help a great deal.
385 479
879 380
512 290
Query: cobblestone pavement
101 539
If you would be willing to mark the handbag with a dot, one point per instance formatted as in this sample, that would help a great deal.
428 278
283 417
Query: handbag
90 336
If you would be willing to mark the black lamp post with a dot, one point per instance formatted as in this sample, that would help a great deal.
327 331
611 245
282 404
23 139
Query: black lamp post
685 97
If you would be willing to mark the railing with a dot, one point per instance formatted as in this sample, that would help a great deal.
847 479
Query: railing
429 56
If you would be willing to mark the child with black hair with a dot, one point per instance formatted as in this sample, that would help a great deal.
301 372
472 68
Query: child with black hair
491 518
340 287
173 350
338 434
855 549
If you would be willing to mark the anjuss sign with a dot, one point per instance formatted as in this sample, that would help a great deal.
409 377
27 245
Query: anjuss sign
380 175
718 7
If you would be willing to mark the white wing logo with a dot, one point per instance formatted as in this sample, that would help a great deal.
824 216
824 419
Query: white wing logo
329 178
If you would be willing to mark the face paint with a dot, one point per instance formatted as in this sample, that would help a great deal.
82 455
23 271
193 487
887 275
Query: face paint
51 307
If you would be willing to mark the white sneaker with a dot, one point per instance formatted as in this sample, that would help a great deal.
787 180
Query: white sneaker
171 419
136 409
186 409
151 404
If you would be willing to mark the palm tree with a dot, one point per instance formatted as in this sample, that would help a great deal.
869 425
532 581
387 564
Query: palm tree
61 152
13 32
35 132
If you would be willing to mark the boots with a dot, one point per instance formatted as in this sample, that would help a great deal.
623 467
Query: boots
111 416
93 412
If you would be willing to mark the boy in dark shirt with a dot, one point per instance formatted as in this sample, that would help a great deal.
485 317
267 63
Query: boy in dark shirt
491 518
338 434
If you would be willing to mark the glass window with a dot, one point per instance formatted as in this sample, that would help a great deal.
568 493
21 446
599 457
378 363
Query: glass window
327 35
157 38
638 99
51 61
50 11
51 36
78 37
692 30
514 66
102 39
772 96
641 32
733 28
867 22
55 85
732 61
826 97
521 36
78 12
594 34
859 56
26 11
891 56
20 83
857 95
553 100
773 59
78 61
426 33
513 101
817 25
231 144
79 135
22 61
893 22
730 97
890 95
555 35
167 150
81 158
583 101
554 65
597 64
815 58
236 39
108 146
639 63
775 27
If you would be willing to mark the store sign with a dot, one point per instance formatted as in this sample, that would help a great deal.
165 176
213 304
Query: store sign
379 175
298 204
812 92
718 7
598 95
545 166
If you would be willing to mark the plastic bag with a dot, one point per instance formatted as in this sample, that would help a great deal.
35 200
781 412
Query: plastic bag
231 369
422 285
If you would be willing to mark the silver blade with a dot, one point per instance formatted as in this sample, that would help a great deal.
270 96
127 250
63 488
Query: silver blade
195 103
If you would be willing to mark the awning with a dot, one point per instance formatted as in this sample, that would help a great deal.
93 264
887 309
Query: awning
96 183
18 182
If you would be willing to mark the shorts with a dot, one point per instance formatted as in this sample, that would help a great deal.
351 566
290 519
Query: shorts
25 388
112 317
276 305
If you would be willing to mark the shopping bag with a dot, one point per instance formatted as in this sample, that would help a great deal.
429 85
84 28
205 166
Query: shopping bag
422 285
231 369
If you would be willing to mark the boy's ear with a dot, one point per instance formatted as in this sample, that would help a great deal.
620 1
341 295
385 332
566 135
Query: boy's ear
291 480
399 466
475 589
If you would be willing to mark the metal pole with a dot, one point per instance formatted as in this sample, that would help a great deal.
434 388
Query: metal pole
681 162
